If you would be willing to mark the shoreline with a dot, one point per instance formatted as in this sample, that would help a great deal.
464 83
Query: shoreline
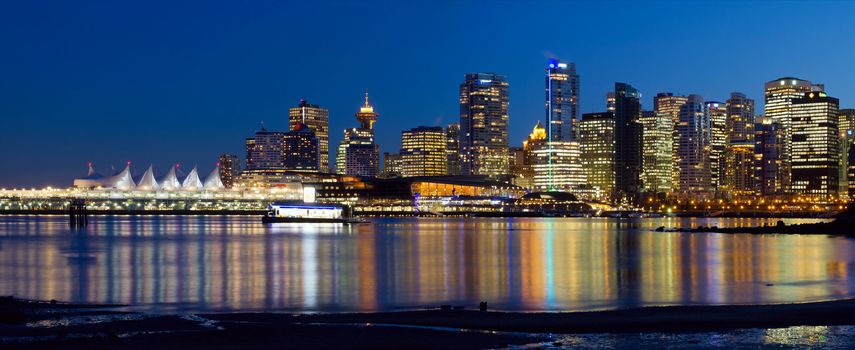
421 328
732 215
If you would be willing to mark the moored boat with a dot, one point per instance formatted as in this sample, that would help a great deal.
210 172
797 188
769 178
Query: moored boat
300 212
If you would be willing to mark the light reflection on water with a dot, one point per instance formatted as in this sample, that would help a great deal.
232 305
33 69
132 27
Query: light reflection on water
238 263
798 337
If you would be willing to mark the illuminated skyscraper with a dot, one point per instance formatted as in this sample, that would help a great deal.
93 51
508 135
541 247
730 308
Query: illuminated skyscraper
452 139
717 117
694 149
484 124
658 139
610 102
558 166
229 169
317 119
847 137
815 146
423 152
597 139
357 153
667 103
562 100
739 163
628 143
779 94
519 168
850 176
391 164
300 149
768 150
535 140
264 151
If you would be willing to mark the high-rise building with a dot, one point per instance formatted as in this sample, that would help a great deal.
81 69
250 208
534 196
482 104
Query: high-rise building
628 143
597 139
423 152
558 166
717 117
740 118
484 124
358 155
452 150
300 149
535 140
666 103
768 151
694 149
815 146
562 100
779 94
264 151
610 102
847 138
739 163
317 119
391 164
295 150
229 169
517 167
850 176
657 139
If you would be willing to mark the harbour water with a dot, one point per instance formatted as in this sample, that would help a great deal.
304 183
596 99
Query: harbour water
229 263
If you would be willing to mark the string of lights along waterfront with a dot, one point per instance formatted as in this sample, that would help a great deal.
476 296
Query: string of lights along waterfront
691 152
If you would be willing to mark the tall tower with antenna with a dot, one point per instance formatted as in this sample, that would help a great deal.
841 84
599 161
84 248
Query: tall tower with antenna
366 115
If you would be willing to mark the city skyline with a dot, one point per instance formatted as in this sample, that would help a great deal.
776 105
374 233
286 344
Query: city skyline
93 105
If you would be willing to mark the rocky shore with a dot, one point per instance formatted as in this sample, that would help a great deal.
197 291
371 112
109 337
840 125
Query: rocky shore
37 325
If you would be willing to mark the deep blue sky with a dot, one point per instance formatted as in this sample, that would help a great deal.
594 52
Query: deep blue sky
171 81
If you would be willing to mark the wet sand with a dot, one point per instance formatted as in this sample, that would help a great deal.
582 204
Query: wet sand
407 329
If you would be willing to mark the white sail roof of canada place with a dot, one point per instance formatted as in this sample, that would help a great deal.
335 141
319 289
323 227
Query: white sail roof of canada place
121 181
213 181
192 182
147 182
170 181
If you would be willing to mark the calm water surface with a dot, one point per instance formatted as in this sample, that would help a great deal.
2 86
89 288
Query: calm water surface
175 263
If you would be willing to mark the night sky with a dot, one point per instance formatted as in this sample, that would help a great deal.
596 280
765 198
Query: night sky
166 82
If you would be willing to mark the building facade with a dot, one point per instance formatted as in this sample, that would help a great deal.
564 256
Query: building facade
391 165
525 171
558 166
815 146
562 100
739 165
317 119
484 124
300 149
666 103
264 151
452 150
847 138
779 94
657 139
424 152
628 143
717 117
768 153
694 149
610 102
358 154
229 169
597 141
